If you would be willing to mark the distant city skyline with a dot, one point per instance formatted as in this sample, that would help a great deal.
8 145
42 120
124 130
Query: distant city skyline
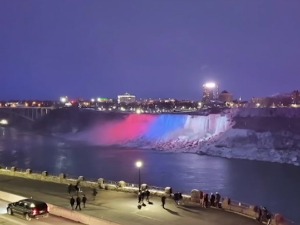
151 49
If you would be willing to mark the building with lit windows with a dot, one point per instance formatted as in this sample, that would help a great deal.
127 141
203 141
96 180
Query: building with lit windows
210 92
126 98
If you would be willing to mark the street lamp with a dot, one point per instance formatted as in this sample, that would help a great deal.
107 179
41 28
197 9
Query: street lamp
139 165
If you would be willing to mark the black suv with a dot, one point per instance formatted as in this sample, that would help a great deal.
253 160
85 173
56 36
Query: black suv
28 208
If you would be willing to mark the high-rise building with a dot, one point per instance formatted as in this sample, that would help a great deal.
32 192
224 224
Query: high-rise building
210 92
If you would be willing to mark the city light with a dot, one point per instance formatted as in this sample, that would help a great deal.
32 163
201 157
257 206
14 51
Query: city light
209 85
3 122
139 165
63 99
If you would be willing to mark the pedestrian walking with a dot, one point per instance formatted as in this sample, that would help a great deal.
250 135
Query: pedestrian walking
84 199
69 188
78 202
163 201
147 195
139 197
94 193
72 202
143 194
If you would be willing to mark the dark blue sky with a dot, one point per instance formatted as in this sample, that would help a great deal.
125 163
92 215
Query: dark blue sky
149 48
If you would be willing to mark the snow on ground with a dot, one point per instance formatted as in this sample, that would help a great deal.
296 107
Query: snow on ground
281 146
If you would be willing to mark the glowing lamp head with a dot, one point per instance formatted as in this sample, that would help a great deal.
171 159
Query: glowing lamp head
209 85
139 164
3 122
63 99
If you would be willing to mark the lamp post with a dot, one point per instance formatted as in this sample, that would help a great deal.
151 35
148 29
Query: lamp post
139 165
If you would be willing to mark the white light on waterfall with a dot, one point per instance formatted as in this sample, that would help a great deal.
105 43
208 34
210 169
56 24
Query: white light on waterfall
257 105
138 111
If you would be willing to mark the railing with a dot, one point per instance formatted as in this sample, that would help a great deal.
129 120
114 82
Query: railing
234 206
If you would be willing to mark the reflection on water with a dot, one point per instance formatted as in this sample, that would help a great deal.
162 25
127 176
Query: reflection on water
270 184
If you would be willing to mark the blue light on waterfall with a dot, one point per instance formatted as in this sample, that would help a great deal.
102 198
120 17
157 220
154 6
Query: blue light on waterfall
165 125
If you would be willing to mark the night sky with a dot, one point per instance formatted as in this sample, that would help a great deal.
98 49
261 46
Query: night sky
149 48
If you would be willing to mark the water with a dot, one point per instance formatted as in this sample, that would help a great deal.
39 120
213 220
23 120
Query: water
273 185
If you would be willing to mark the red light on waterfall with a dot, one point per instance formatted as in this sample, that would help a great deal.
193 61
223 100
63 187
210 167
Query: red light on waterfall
134 126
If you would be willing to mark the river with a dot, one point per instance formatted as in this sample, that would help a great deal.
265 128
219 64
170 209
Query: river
273 185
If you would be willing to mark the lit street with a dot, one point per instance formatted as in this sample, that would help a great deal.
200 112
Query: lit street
6 219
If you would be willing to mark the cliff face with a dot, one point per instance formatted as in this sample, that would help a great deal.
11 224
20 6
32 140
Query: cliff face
260 134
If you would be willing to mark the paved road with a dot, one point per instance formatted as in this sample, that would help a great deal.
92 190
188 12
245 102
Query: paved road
121 207
6 219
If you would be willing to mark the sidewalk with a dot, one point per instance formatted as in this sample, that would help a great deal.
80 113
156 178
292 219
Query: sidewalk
121 207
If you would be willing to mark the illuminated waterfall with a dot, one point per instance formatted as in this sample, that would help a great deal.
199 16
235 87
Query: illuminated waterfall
157 130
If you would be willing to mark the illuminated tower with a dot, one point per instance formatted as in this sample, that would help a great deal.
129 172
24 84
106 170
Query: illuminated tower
210 92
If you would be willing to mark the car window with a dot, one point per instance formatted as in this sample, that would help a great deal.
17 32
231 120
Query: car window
41 206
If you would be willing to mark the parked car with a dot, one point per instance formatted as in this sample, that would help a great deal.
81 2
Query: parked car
28 208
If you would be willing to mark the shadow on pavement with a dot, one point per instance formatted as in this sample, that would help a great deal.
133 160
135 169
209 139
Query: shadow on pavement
172 212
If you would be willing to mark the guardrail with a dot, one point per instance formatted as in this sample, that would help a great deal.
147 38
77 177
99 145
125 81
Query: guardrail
194 198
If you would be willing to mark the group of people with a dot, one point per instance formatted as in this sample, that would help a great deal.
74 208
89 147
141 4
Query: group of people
210 200
75 190
143 195
78 201
177 198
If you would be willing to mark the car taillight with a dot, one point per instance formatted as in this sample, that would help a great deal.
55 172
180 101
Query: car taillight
34 212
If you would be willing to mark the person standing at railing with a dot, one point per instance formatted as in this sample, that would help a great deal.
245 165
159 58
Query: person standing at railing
218 198
205 201
201 199
212 199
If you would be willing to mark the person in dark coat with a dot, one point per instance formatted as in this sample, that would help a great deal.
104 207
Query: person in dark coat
78 202
205 201
84 199
72 202
212 199
139 197
69 188
218 199
94 193
147 195
163 201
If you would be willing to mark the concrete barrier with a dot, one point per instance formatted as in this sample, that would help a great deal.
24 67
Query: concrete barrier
59 211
